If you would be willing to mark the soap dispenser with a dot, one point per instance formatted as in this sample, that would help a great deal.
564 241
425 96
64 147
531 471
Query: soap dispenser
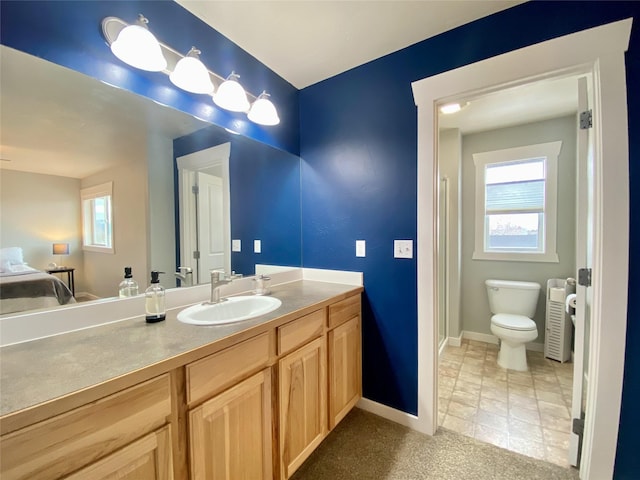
128 287
154 300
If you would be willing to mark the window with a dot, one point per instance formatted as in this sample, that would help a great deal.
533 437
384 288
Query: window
97 218
516 203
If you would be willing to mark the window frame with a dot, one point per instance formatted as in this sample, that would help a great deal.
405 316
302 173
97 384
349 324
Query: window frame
90 193
547 151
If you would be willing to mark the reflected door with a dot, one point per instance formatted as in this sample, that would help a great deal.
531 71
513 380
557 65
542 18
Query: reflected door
210 225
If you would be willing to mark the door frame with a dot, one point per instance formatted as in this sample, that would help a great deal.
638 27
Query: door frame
598 50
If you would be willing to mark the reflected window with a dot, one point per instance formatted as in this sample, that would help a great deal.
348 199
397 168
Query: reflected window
97 218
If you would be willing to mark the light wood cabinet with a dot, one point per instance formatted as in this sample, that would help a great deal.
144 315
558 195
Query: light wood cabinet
230 435
303 404
345 371
148 458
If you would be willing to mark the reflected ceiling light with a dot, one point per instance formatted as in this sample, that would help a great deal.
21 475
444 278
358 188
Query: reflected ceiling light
191 75
231 95
263 112
136 46
450 108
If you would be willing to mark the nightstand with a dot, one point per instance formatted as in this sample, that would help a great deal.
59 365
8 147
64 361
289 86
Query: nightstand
70 278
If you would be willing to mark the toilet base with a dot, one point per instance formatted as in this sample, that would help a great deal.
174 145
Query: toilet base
513 357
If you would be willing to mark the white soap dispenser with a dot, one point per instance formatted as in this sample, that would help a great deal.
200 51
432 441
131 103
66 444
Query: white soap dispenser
154 300
128 287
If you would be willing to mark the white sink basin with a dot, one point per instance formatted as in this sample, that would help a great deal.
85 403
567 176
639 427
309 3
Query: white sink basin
233 309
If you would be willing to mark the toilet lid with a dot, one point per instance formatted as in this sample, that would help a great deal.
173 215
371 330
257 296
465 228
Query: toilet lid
513 322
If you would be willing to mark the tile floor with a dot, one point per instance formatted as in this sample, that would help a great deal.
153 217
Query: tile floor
526 412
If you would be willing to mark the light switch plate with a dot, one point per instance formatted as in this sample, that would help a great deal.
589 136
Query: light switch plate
403 248
257 246
361 248
236 245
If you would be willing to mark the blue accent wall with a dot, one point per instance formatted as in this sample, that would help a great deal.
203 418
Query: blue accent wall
358 142
264 185
69 33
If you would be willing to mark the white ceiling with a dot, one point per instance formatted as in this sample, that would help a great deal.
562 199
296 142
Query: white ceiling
306 41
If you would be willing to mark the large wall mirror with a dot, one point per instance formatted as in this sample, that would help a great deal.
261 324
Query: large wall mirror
63 132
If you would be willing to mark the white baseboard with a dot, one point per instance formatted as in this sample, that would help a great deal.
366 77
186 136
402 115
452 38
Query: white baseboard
484 337
455 341
397 416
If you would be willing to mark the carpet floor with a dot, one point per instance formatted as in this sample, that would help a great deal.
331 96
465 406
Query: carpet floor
364 446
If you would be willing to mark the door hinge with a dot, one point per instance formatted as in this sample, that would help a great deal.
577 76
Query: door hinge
586 119
577 426
584 277
196 255
195 189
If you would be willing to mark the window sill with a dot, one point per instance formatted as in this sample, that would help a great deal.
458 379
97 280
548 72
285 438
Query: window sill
90 248
517 257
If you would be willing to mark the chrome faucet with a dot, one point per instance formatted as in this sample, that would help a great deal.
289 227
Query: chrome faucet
185 274
217 280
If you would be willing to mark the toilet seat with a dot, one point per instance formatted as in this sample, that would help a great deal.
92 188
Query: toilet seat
513 322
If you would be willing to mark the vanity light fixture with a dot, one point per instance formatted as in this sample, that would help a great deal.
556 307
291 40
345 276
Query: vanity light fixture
231 95
263 111
137 46
186 72
191 75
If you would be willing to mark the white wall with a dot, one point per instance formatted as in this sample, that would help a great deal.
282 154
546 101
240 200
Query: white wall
474 304
37 210
103 271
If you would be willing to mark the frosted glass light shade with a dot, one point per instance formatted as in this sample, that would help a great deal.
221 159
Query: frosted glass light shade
136 46
263 111
191 75
231 95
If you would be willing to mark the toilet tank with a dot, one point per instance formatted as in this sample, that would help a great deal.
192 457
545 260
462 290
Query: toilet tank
517 298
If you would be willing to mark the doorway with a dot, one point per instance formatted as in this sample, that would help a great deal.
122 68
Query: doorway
599 51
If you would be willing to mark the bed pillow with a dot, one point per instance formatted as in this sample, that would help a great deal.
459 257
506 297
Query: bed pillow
11 256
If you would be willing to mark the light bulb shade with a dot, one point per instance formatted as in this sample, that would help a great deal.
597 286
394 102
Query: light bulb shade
61 249
231 95
263 111
191 75
136 46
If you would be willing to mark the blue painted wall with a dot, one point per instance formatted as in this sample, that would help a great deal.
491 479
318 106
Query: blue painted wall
265 198
69 33
358 144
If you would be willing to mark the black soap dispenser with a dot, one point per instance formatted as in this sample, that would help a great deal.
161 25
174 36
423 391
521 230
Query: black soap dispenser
154 300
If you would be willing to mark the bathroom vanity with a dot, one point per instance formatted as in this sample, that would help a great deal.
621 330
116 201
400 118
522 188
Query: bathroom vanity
176 401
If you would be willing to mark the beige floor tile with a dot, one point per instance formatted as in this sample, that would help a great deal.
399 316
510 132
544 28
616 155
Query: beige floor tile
446 381
465 397
470 377
558 456
524 414
545 377
441 418
448 372
494 393
527 447
493 420
443 404
555 423
494 406
522 390
456 424
478 362
478 344
452 363
495 383
472 368
491 435
556 439
524 401
520 379
565 382
559 411
524 430
546 386
469 387
462 410
550 397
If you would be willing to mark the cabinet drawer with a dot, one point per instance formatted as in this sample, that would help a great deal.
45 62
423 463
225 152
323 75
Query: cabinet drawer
344 310
65 443
214 373
293 334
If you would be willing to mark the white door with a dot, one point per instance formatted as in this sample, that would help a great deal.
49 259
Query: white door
584 253
210 221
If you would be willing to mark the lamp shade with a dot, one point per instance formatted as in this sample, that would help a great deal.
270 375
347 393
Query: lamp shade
61 249
136 46
231 95
191 75
263 111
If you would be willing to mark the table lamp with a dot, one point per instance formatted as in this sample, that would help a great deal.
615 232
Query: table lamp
59 249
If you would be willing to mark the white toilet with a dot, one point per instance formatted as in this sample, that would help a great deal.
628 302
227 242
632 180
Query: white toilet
513 305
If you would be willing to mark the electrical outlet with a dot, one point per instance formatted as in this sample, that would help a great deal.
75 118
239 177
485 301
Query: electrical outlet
257 246
403 248
361 248
236 245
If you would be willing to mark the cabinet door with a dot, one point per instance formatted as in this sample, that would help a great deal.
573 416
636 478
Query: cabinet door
148 458
345 372
230 435
303 404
